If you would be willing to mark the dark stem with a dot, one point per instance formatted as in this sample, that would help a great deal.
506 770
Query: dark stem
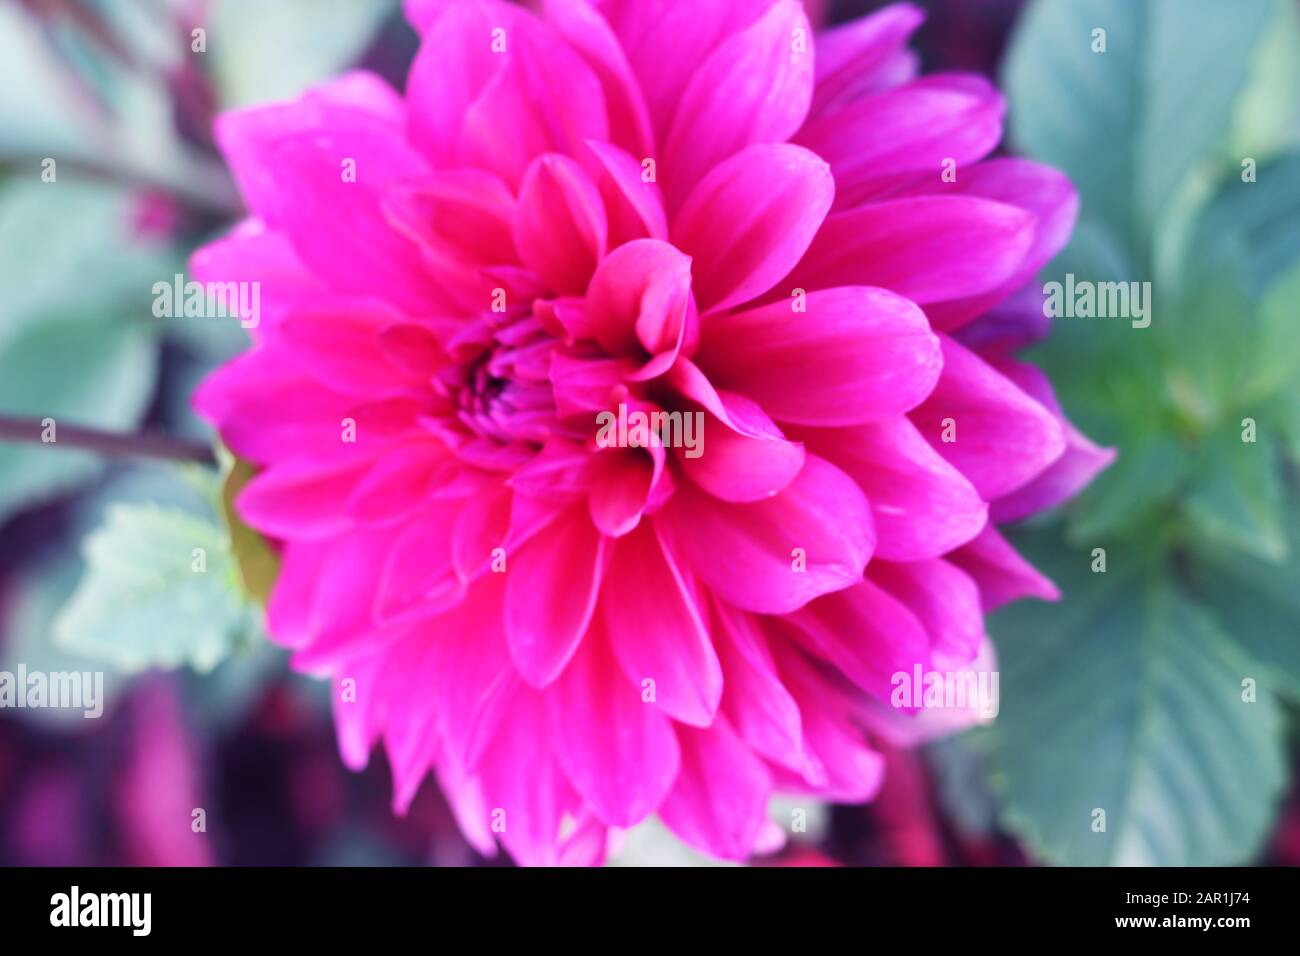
140 445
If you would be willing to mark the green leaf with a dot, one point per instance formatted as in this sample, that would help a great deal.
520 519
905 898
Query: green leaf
1276 338
34 597
1268 110
1284 412
1206 339
1124 123
1263 217
81 371
91 266
1128 698
45 114
257 563
158 592
1258 601
75 340
958 766
297 43
1237 499
1125 497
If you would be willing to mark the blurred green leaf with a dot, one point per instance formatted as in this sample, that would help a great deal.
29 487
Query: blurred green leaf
1258 601
34 597
1277 337
1237 498
258 565
45 114
1124 497
158 591
1267 119
1128 698
1206 339
90 266
1284 412
1122 122
88 372
958 765
74 342
1263 217
297 43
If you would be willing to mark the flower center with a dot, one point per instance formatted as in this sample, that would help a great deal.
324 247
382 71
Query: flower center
500 389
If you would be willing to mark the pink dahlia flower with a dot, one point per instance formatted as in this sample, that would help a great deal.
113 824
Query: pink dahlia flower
686 208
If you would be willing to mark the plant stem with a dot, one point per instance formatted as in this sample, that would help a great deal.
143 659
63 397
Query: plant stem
139 444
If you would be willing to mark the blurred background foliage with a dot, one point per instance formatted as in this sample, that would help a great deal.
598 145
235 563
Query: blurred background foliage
1132 694
1126 696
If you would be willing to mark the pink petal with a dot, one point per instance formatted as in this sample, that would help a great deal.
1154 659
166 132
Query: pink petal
1001 573
590 34
923 506
943 597
551 591
719 802
753 88
913 131
336 623
354 103
528 808
854 58
400 482
750 220
855 355
308 418
301 499
253 253
471 677
1041 190
561 231
462 791
636 206
834 743
1010 325
639 297
337 226
341 347
619 752
480 528
289 611
466 210
419 576
620 489
1003 438
462 94
743 457
927 249
747 552
412 348
657 631
357 719
587 385
865 632
754 699
666 43
1069 474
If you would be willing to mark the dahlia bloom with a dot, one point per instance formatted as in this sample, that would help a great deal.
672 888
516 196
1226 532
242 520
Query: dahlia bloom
693 208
